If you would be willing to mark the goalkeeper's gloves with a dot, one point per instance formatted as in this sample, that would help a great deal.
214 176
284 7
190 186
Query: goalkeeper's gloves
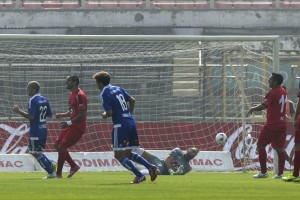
179 171
171 172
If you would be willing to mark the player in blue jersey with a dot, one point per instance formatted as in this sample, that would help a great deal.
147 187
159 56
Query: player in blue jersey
38 109
119 105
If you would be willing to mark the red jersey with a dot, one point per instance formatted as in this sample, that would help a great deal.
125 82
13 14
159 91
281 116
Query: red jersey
275 101
78 102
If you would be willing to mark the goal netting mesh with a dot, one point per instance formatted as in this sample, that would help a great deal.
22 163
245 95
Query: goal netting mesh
186 90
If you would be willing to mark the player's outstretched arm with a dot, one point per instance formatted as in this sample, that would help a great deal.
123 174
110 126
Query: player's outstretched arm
21 112
256 108
80 115
62 115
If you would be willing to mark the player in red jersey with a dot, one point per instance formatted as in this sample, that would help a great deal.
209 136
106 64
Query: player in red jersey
274 131
295 176
72 129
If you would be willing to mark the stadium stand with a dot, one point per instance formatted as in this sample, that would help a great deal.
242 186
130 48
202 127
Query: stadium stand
150 4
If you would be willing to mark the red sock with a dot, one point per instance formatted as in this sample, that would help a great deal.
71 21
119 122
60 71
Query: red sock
70 160
60 162
296 164
262 155
281 161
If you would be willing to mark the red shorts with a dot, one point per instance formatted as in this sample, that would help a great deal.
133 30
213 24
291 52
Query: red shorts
276 137
297 136
68 137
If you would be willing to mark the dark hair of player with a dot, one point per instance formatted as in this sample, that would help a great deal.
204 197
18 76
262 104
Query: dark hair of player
35 85
102 77
74 79
277 77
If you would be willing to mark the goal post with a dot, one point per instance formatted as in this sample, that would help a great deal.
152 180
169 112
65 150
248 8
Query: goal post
188 88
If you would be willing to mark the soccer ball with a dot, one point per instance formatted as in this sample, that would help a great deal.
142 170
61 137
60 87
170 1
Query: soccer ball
221 138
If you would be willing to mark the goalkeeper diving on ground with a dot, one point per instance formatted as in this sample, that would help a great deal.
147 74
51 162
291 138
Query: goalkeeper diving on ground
176 163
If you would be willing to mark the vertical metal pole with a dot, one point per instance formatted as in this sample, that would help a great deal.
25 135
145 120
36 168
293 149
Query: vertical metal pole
18 4
276 55
82 4
276 69
277 4
241 84
212 4
147 4
224 86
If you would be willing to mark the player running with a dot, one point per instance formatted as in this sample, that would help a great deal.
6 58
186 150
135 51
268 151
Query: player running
38 109
176 163
274 131
124 134
72 129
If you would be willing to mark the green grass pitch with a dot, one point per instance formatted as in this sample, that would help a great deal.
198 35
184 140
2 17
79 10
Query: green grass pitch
115 185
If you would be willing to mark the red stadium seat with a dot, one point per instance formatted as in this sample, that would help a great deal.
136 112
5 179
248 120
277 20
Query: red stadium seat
242 4
52 4
184 4
108 4
192 4
201 5
285 4
32 5
263 4
223 4
7 4
70 4
130 4
293 4
163 4
92 4
113 4
239 4
172 4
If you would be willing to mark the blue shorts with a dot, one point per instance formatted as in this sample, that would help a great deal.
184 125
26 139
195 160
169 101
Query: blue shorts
36 144
124 137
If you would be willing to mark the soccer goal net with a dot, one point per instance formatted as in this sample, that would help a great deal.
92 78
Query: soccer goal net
187 88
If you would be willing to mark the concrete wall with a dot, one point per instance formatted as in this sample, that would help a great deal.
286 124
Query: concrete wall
152 18
166 22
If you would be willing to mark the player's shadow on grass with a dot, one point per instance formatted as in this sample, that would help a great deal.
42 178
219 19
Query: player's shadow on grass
115 184
126 183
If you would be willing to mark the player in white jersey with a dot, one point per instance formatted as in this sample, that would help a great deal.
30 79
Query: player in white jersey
177 162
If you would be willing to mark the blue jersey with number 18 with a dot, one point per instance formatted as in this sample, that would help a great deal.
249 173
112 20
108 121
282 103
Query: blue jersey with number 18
115 98
39 108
